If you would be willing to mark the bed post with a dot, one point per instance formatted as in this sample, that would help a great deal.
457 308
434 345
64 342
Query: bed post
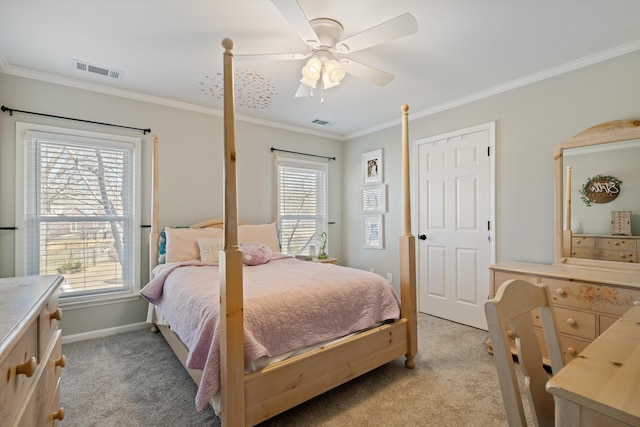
408 252
154 235
231 295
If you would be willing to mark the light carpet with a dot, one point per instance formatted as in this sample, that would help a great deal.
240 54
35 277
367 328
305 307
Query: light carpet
134 379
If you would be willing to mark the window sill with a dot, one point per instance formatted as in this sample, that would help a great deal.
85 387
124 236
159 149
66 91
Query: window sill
71 302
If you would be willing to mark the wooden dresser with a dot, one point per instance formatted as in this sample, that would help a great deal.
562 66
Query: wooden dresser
31 357
586 301
609 248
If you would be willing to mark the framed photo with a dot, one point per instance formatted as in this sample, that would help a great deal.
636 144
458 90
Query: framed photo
372 167
373 231
374 198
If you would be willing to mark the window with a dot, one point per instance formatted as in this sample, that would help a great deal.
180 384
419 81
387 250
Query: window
302 204
79 211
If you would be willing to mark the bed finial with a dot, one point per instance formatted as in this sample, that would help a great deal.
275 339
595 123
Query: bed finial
227 44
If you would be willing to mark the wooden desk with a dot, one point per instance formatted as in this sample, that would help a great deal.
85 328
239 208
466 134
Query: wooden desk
602 385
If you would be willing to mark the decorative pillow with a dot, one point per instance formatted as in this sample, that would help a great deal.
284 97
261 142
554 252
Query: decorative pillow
263 233
182 243
210 248
162 247
255 253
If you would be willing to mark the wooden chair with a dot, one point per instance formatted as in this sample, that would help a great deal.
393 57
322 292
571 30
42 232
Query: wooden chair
512 313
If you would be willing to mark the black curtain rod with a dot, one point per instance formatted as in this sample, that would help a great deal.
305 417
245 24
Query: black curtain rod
11 110
304 154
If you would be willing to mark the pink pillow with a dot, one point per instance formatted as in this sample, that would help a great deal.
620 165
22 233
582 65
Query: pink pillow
182 244
266 234
255 253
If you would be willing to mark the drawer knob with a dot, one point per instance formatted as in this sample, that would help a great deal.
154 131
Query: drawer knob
27 368
58 415
571 322
509 334
560 291
62 362
56 315
571 351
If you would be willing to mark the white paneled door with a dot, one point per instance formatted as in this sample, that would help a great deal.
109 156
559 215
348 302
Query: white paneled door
455 204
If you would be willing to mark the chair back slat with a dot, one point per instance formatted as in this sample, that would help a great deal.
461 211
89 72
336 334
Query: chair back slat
512 313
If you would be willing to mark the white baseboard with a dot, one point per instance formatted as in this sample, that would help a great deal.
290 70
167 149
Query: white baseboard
66 339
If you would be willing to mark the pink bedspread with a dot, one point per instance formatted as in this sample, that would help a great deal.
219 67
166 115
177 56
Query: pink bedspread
288 304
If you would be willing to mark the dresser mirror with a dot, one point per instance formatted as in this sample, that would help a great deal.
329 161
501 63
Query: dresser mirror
597 234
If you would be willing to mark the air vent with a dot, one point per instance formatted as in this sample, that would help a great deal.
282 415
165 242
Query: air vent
320 122
94 69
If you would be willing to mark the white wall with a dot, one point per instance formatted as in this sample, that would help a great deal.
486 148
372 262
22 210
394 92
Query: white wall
530 121
190 147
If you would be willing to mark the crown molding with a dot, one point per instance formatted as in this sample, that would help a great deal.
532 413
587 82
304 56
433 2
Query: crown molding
514 84
137 96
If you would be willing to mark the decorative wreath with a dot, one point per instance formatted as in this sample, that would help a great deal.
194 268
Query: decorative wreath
584 190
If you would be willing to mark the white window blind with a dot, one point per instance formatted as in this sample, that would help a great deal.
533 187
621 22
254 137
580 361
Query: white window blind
302 204
80 212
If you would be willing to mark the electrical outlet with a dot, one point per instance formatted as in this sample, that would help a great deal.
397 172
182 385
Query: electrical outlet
389 277
373 270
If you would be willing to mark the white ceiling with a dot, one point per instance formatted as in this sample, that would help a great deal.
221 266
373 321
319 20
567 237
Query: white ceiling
169 51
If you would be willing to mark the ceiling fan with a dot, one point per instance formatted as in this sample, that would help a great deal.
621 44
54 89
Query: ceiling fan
328 51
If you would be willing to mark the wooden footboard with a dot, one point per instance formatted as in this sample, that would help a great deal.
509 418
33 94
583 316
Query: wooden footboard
276 388
279 387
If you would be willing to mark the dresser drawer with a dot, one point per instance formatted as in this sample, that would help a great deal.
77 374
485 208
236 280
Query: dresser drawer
578 252
14 385
588 296
48 321
625 255
583 242
606 322
44 393
55 413
499 277
572 347
578 323
612 243
572 322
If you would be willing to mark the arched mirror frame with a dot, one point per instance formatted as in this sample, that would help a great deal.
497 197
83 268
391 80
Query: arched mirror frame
614 131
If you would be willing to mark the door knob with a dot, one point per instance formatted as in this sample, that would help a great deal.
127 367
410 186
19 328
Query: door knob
422 236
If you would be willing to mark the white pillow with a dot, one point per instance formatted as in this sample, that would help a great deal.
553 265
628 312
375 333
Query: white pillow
182 243
263 233
210 248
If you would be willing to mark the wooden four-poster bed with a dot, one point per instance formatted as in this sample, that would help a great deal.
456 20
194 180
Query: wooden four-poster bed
248 398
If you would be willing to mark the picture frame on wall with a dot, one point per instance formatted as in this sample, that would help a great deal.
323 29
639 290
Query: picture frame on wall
373 232
372 167
374 198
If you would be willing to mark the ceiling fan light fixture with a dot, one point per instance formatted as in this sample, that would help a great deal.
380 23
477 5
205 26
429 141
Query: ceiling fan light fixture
333 71
327 83
309 82
312 69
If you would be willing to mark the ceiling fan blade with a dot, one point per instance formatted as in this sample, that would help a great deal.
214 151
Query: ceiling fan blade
401 26
272 56
368 73
293 13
